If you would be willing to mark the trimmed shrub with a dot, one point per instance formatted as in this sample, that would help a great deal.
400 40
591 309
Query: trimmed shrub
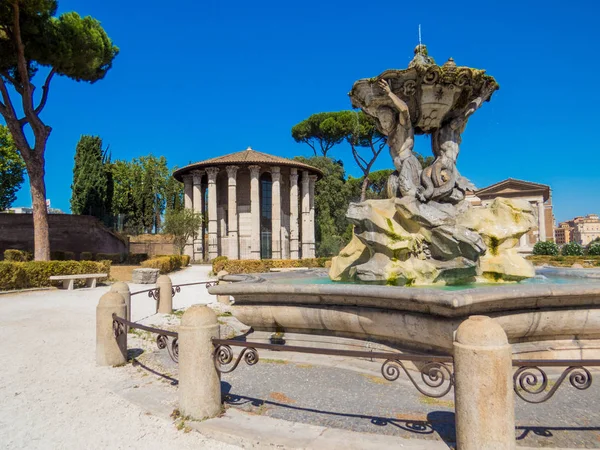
115 258
12 276
86 256
218 263
235 266
185 260
136 258
572 249
32 274
166 263
545 248
59 255
17 256
594 249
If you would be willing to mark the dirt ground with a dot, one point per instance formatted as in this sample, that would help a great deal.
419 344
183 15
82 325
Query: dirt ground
122 273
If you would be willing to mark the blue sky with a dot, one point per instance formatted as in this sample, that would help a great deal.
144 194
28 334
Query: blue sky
198 79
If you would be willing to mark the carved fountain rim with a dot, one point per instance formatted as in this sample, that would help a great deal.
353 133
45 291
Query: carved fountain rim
257 290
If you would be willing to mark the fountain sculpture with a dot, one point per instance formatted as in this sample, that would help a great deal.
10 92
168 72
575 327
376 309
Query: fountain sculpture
426 232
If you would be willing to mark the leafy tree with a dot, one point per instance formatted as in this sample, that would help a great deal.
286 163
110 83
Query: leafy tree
571 249
173 193
545 248
376 187
32 38
11 169
320 131
90 189
154 181
331 204
183 225
594 248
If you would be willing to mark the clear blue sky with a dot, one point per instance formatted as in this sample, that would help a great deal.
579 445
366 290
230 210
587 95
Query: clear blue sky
198 79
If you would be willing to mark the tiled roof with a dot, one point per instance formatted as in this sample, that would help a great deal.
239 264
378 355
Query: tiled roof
246 157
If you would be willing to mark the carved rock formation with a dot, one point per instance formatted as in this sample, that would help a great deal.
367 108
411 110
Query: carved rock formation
405 242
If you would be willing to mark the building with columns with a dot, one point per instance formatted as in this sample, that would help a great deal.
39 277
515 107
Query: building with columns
539 195
255 205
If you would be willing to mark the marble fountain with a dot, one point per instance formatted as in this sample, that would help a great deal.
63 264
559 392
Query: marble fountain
424 260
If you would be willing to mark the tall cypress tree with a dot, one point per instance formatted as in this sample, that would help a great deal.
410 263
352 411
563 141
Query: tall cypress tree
91 175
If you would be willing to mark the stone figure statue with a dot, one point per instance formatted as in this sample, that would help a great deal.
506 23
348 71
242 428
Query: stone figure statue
401 140
441 181
431 234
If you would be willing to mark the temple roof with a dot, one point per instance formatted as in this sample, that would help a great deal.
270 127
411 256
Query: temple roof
515 187
246 158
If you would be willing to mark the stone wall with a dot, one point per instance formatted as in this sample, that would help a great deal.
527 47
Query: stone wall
68 233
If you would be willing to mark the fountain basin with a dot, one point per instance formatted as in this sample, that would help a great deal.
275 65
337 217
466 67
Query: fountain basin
542 319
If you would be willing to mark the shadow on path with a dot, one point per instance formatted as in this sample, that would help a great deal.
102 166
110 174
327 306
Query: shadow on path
436 422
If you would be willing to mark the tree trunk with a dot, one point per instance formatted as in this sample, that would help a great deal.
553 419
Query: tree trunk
41 237
363 190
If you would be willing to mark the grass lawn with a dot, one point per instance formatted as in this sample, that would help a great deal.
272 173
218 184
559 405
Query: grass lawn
122 273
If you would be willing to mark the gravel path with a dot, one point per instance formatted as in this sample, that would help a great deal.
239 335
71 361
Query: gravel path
53 395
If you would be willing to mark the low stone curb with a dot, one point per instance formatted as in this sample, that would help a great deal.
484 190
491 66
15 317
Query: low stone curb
252 431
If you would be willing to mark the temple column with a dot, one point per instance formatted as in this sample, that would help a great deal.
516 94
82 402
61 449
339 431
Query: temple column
197 202
232 212
276 213
523 241
188 195
311 217
213 244
255 211
293 213
541 221
305 215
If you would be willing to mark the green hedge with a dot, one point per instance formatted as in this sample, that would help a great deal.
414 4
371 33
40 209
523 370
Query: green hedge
234 266
33 274
167 263
565 261
60 255
136 258
17 255
115 258
86 256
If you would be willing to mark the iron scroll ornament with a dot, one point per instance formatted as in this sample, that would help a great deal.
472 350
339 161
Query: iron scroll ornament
162 342
525 380
435 375
223 356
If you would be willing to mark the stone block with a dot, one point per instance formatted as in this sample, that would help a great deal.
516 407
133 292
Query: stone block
144 276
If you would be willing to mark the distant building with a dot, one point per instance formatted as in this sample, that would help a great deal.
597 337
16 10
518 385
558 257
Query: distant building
582 230
563 233
258 206
26 210
539 195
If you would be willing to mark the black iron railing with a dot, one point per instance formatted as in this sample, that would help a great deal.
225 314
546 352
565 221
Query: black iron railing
436 372
162 340
531 382
154 292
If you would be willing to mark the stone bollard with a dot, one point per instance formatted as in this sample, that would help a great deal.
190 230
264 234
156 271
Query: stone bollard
223 299
483 390
165 295
110 351
123 289
199 382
